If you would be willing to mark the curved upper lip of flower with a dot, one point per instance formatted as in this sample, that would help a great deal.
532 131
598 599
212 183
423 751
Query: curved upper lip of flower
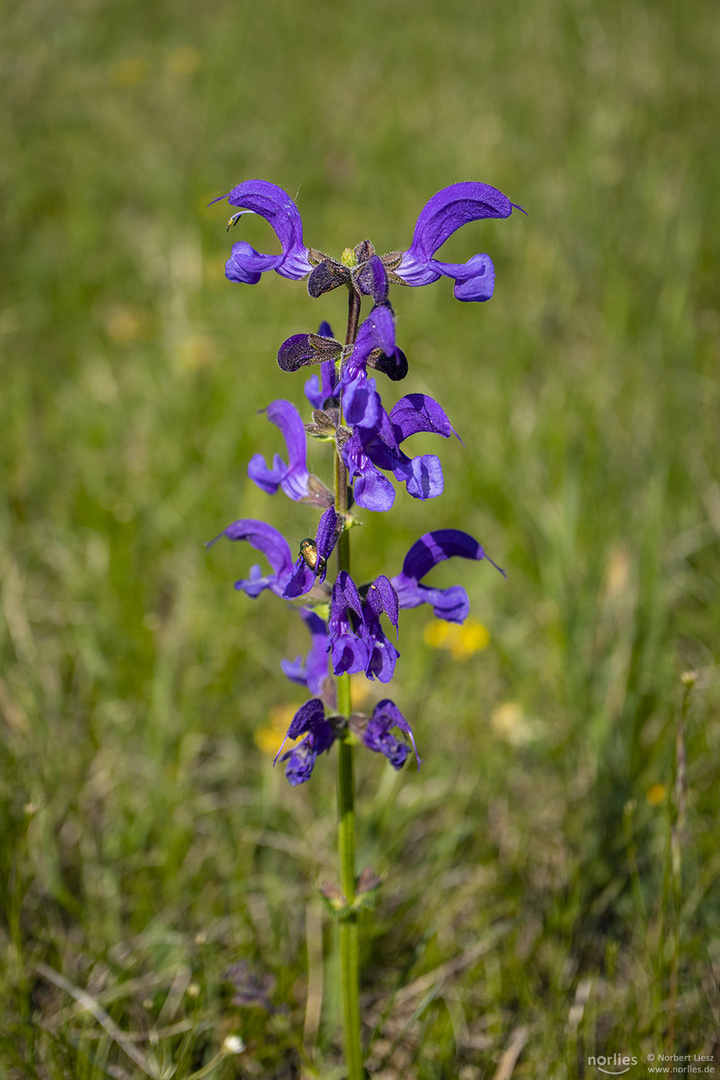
442 215
275 205
274 547
433 548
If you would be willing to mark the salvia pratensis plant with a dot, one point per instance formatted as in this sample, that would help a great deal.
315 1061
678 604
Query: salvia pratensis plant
353 627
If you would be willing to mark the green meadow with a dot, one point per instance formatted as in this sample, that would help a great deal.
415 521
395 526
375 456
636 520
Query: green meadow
551 887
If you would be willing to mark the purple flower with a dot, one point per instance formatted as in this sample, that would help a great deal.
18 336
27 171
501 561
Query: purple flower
374 347
357 641
443 215
371 489
314 670
371 449
377 735
273 545
246 265
311 565
293 478
434 547
309 720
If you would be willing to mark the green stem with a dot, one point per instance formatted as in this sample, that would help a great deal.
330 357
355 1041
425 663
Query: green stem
348 927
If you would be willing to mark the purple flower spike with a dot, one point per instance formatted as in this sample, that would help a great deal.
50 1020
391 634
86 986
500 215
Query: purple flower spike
245 264
273 545
311 565
310 719
377 735
443 215
434 547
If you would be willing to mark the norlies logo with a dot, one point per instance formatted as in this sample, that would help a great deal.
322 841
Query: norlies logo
614 1065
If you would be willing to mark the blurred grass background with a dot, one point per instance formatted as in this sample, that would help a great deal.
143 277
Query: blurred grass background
552 881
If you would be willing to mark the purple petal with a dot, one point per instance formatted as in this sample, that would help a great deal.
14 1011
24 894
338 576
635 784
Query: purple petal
349 653
326 533
418 412
453 207
444 214
246 265
313 672
300 763
285 416
301 582
268 480
383 658
377 737
380 443
423 476
474 280
385 716
293 478
361 402
303 576
295 670
371 489
271 543
319 390
345 596
377 331
307 716
381 597
281 213
450 604
433 548
373 280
